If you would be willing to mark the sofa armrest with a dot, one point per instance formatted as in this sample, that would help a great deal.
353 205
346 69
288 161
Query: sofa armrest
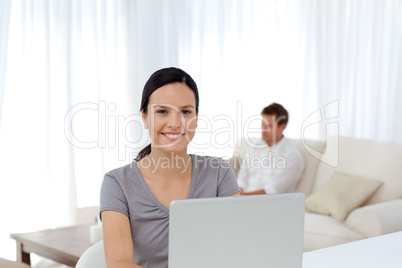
376 219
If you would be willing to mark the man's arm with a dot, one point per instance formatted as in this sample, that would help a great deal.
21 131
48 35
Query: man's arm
242 177
285 179
252 193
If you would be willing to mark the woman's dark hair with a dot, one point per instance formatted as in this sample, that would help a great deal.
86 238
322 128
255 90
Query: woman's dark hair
159 79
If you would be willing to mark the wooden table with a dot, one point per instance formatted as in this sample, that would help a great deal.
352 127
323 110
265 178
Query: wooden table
12 264
63 245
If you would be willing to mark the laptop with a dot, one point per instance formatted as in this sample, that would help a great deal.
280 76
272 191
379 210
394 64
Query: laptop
237 232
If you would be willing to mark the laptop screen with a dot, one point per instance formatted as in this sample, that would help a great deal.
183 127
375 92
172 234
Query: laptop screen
241 231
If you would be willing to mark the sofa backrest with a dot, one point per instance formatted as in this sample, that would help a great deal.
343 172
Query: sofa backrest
312 151
307 149
369 159
239 152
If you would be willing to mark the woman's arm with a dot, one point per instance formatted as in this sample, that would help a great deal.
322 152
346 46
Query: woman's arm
119 252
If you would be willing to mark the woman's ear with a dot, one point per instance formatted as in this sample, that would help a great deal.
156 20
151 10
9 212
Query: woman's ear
144 119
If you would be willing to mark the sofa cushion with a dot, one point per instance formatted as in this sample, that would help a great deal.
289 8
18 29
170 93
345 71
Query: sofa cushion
322 231
376 219
370 159
341 194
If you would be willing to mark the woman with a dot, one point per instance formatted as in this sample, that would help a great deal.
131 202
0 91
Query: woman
135 198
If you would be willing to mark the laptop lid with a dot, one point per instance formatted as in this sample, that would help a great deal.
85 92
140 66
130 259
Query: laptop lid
237 232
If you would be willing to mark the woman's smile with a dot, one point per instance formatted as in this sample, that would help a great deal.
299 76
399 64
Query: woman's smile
173 136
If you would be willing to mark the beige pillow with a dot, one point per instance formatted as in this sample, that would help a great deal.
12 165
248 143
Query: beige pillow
341 194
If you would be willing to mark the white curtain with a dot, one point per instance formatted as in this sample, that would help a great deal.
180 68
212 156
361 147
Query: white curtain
245 55
353 63
335 65
72 73
72 85
5 7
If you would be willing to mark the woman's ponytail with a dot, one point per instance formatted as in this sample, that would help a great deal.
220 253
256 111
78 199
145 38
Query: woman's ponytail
143 153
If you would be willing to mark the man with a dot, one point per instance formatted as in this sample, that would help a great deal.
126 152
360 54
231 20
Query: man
274 165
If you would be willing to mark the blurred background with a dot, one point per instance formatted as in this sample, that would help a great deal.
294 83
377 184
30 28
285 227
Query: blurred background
72 73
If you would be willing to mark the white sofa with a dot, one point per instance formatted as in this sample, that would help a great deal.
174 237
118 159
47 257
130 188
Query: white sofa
380 214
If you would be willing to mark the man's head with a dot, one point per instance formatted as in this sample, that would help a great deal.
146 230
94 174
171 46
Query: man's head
274 121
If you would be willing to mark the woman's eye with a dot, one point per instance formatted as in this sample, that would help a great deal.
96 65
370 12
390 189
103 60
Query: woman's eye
186 112
161 111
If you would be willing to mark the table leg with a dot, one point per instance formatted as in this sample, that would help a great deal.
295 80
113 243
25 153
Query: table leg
22 256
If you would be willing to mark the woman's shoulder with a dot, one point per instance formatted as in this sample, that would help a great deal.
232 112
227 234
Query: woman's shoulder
124 171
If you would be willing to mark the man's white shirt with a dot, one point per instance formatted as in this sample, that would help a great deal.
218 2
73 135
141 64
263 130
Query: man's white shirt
276 169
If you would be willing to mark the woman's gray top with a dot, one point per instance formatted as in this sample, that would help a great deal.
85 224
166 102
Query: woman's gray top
125 190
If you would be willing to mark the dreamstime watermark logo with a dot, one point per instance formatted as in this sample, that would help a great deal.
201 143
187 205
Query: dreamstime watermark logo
125 133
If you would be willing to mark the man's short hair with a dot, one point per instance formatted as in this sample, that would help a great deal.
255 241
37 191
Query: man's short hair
279 111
